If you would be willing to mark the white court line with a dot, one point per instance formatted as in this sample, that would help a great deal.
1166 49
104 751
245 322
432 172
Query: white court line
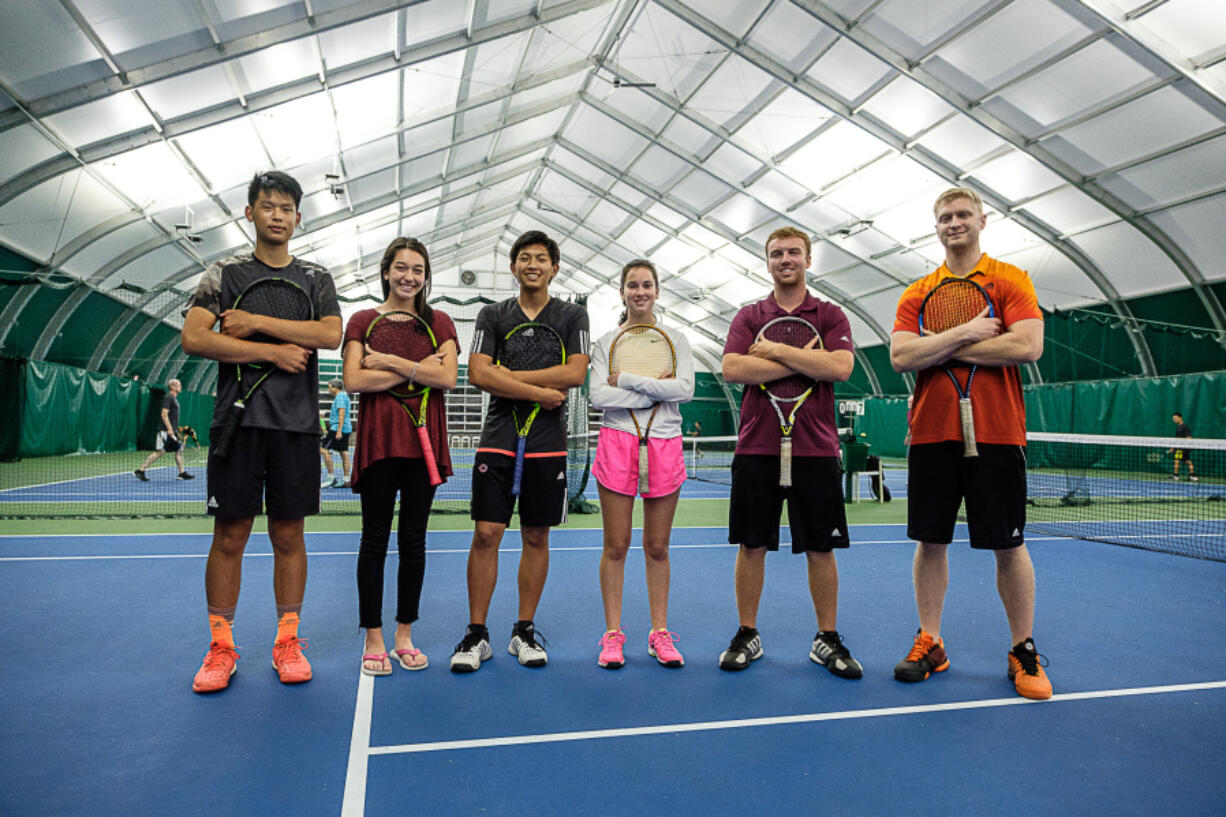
783 720
354 802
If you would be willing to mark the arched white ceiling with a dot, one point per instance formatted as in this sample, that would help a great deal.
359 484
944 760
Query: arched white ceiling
681 130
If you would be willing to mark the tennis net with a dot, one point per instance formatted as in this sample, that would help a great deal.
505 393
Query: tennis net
1127 491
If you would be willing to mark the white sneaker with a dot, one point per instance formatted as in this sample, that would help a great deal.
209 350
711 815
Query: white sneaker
525 647
470 652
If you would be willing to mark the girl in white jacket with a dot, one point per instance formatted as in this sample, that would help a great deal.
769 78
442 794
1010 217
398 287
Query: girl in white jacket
617 472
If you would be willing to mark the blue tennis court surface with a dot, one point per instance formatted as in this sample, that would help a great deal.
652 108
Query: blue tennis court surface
105 632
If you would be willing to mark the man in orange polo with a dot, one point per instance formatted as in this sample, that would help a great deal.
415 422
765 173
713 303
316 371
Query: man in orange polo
993 484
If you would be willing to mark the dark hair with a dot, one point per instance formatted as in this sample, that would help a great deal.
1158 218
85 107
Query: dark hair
385 266
1178 414
636 263
536 237
336 383
274 180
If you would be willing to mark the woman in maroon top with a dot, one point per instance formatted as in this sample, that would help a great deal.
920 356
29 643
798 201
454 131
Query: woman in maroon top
389 455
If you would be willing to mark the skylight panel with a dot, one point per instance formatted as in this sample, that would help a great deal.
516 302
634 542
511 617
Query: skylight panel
1135 265
739 290
700 190
365 109
791 36
690 137
732 86
731 163
961 141
152 176
358 41
101 119
786 120
833 154
431 87
1189 172
777 191
1017 176
848 70
676 255
635 105
426 21
741 214
704 237
1192 27
1196 228
658 168
662 49
1068 211
25 146
882 185
662 212
641 238
279 64
298 131
187 93
907 107
603 136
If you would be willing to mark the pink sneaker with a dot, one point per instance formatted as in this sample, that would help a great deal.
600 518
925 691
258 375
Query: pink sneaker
660 647
611 654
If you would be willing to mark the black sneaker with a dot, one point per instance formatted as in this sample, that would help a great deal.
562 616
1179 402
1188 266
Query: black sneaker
472 650
185 475
829 651
746 646
524 645
927 656
141 475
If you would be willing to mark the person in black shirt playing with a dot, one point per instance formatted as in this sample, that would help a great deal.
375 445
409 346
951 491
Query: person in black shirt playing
168 440
1182 454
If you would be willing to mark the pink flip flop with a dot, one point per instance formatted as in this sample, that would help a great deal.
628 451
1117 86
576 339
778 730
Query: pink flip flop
375 656
411 653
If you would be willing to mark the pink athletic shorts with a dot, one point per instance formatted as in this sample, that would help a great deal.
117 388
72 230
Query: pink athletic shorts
617 463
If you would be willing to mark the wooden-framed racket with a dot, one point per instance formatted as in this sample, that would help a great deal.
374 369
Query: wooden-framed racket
645 350
407 336
951 303
275 298
528 347
788 394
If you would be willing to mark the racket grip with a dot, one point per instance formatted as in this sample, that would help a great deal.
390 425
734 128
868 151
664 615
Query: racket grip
519 466
234 418
969 448
643 483
427 453
785 462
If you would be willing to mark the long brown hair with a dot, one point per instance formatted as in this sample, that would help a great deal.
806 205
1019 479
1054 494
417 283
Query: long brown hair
636 263
385 266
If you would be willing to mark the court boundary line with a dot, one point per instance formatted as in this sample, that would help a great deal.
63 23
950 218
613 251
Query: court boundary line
780 720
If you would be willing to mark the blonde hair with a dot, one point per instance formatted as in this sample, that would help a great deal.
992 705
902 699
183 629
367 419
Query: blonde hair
174 381
958 193
789 232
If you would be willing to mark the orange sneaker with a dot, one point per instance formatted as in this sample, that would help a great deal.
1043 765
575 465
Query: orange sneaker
926 657
1026 671
289 662
214 674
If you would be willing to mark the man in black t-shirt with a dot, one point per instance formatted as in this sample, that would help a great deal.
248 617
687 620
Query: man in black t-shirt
168 435
542 499
1182 454
273 462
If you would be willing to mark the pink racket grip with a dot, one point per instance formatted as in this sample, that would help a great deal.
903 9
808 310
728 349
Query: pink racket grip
427 451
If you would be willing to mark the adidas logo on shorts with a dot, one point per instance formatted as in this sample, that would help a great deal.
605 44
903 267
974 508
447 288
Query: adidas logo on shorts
561 475
213 502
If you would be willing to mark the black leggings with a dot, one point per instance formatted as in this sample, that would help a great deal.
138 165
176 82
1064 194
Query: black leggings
381 481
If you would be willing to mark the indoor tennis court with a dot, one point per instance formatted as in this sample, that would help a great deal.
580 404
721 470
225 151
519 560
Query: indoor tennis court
684 132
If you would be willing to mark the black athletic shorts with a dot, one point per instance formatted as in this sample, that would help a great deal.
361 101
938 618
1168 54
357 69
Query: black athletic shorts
338 445
542 490
277 470
993 484
816 515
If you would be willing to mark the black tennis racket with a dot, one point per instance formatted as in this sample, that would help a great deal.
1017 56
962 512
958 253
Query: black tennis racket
647 351
951 303
274 298
405 335
788 394
528 347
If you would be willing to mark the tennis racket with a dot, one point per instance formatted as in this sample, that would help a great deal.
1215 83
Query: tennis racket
788 394
951 303
274 298
644 350
405 335
528 347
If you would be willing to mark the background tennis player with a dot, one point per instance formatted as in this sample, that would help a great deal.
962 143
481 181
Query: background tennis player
815 497
941 476
640 387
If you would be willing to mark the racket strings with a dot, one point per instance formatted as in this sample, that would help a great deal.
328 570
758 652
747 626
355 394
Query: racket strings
798 334
952 304
643 351
530 349
275 299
